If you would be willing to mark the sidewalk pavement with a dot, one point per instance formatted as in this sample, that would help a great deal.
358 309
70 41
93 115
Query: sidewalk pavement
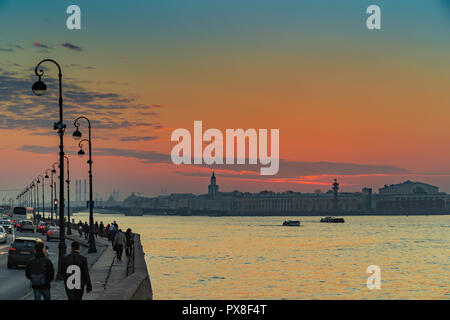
104 270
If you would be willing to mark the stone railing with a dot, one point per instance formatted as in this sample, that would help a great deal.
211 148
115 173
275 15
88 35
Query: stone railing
137 285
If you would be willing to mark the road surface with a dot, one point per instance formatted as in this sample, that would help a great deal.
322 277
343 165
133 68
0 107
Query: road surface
13 283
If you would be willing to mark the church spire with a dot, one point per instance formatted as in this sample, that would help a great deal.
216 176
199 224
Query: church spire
213 188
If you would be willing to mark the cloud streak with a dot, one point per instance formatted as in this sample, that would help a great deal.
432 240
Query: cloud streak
290 171
106 110
71 46
134 138
40 45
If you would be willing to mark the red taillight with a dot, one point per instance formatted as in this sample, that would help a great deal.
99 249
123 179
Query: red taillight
12 249
49 232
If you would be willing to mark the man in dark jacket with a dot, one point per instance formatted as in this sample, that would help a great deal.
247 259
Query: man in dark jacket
40 271
86 230
76 274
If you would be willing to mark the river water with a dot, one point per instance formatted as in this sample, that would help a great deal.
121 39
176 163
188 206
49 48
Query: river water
257 258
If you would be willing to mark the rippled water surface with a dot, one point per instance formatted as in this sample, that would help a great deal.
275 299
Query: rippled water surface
257 258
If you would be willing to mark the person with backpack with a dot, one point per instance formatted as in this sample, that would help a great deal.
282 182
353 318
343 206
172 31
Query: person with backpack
41 273
75 265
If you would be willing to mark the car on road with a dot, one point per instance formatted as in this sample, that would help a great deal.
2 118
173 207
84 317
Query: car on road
41 227
27 225
3 235
21 251
7 225
47 225
53 233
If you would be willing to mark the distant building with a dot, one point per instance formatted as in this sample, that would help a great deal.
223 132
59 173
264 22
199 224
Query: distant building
409 196
409 187
405 196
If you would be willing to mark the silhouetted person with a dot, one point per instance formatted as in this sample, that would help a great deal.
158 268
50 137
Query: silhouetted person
120 242
86 230
75 273
80 228
41 273
129 242
101 229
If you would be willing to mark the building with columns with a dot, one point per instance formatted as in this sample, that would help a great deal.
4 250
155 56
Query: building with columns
410 196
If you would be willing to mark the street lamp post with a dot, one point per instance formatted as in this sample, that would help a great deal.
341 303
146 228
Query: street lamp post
34 196
39 89
77 135
55 201
37 197
51 191
69 230
41 178
31 197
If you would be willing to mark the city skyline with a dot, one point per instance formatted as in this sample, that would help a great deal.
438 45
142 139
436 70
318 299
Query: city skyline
367 108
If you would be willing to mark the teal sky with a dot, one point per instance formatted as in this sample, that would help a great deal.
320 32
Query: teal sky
231 21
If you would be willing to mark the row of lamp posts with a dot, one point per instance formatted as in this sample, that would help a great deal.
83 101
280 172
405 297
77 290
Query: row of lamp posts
39 88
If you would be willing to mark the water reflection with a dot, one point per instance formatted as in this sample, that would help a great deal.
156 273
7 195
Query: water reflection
256 258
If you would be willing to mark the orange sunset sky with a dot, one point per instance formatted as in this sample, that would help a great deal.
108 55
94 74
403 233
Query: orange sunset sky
368 107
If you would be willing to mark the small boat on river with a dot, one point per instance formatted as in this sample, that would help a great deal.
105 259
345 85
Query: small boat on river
291 223
332 220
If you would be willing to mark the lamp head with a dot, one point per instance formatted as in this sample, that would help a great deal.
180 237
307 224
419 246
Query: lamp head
39 87
81 153
76 134
54 170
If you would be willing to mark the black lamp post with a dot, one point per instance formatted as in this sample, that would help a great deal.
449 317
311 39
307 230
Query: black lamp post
55 201
69 230
41 178
51 191
77 136
31 195
39 89
37 196
33 198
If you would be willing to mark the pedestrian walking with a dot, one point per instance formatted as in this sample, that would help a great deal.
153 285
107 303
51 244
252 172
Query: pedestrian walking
129 242
101 229
41 273
75 273
112 232
107 231
120 242
80 228
86 230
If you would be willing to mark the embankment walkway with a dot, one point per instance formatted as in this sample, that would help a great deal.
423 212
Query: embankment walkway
111 279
